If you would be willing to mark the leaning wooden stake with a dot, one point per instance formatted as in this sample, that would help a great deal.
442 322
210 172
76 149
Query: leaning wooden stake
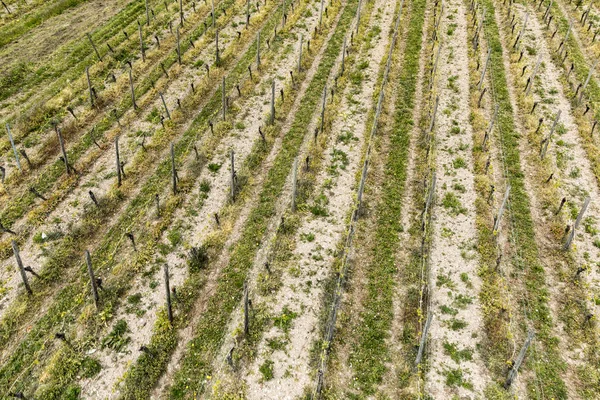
179 47
423 339
361 189
515 369
168 293
587 80
142 43
586 203
501 210
118 159
272 116
321 14
218 57
213 13
88 260
89 82
12 144
516 45
232 175
224 99
132 90
489 131
549 138
485 65
246 311
294 184
532 77
147 14
164 105
300 54
343 56
258 50
323 108
247 13
62 149
180 12
435 107
434 70
358 16
94 46
20 265
173 169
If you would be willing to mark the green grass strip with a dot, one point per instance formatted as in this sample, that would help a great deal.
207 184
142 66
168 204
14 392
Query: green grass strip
371 355
15 29
550 367
197 361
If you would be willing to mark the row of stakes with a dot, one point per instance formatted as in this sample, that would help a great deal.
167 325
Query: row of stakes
96 283
120 165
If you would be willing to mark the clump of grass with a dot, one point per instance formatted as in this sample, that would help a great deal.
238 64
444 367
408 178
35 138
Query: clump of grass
452 203
266 370
457 355
455 377
117 338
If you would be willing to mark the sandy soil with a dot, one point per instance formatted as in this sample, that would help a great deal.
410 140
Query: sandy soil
453 255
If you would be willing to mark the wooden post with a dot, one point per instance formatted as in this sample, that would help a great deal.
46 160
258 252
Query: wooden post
132 90
224 99
218 59
361 188
12 144
515 369
564 41
433 72
246 310
435 107
247 13
232 176
213 13
586 203
501 210
180 13
548 9
20 265
321 14
118 159
173 169
300 54
343 56
358 16
533 74
147 14
168 293
142 43
164 105
258 50
178 46
88 260
62 149
294 184
94 46
549 138
516 45
489 130
89 82
587 80
423 339
272 116
323 108
487 60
